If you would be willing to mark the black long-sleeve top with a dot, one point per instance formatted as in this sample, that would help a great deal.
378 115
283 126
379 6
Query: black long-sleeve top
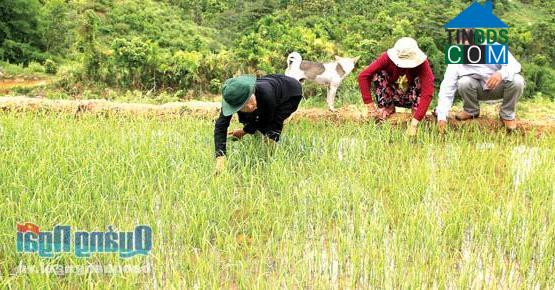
277 97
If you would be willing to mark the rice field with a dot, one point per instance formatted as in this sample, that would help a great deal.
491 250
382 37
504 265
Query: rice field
334 206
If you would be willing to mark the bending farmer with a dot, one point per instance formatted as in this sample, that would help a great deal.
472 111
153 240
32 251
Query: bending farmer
262 105
402 77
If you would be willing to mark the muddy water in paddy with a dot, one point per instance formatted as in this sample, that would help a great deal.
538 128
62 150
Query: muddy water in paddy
6 85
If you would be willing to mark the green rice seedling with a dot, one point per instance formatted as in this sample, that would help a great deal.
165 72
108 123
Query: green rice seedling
352 205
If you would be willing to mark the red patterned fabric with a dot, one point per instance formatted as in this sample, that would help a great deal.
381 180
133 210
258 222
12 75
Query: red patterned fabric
423 72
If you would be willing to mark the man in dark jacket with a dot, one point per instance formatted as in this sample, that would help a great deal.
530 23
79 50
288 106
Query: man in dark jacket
262 105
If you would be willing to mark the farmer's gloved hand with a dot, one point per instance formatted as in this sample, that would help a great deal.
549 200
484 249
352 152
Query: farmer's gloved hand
220 165
413 128
239 133
442 126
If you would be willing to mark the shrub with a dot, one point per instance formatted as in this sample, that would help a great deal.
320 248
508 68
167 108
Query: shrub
21 91
69 75
181 70
50 67
11 70
538 79
215 86
137 60
35 67
20 52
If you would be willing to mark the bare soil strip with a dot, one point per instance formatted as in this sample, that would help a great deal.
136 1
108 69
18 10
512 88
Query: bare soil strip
6 85
202 109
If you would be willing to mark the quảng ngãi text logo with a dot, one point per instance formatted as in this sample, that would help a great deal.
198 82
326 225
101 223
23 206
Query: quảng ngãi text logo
29 239
477 36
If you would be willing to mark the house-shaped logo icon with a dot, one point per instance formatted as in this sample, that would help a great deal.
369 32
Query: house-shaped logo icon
476 16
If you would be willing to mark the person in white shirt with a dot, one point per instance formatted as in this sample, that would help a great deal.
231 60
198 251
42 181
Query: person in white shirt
481 82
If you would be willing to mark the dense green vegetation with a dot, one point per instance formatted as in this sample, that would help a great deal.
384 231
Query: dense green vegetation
188 47
353 206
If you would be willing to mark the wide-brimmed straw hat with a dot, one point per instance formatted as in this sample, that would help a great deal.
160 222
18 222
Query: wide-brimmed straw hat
406 53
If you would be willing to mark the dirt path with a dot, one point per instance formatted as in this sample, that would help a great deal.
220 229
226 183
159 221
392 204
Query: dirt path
201 109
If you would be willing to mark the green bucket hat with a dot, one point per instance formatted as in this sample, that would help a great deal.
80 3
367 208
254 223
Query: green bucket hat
236 92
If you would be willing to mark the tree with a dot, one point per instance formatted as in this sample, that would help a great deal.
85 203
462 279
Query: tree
89 45
58 30
20 36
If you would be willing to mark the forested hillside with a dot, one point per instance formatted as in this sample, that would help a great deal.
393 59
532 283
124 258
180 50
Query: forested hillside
189 46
